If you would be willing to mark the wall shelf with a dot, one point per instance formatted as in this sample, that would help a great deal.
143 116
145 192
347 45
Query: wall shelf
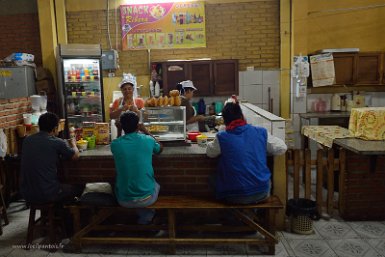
345 89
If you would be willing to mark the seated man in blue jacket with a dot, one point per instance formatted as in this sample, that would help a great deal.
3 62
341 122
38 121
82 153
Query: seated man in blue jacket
242 175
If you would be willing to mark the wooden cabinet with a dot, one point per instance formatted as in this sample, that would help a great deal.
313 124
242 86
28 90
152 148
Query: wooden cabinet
202 76
369 68
345 68
172 74
362 68
211 77
226 80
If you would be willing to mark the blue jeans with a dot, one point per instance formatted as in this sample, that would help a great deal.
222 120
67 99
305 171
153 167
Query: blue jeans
145 215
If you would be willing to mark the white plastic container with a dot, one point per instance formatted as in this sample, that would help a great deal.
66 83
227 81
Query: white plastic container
114 130
157 89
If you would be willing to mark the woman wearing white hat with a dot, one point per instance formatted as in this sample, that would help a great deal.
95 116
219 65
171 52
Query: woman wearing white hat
129 101
186 89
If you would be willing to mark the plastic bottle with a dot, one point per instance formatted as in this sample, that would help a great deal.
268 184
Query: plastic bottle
157 89
114 130
152 89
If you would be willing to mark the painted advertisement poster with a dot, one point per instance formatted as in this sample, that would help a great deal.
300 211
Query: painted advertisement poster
163 25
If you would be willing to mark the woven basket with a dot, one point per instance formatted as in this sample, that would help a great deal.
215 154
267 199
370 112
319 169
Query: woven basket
302 225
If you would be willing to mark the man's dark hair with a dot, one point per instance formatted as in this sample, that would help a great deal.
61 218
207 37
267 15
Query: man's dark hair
231 111
183 90
129 121
48 122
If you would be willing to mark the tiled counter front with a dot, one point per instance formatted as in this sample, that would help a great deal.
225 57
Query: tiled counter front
363 191
177 169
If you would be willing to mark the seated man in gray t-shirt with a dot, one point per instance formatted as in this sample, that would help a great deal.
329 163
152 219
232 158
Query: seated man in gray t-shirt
41 152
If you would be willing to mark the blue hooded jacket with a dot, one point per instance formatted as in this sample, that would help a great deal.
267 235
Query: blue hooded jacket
242 169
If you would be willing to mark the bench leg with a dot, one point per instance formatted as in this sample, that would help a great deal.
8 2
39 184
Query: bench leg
171 230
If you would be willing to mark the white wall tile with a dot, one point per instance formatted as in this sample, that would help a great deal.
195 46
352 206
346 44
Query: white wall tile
299 105
240 78
253 93
241 92
378 99
252 77
270 77
295 121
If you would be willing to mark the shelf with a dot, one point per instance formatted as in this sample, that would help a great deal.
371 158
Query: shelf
163 123
83 82
345 89
80 116
83 96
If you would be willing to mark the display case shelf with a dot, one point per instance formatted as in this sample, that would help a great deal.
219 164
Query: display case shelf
165 123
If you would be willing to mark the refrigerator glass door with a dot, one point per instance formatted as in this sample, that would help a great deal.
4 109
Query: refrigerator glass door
82 91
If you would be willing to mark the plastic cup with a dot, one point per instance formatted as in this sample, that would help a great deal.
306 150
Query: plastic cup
27 118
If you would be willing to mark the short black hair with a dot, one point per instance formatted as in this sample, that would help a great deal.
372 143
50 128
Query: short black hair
231 111
183 90
48 122
129 121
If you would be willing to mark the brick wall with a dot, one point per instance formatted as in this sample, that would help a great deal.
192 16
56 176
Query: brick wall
245 31
20 33
11 111
364 188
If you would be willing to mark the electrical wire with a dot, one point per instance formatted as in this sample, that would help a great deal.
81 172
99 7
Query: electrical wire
108 24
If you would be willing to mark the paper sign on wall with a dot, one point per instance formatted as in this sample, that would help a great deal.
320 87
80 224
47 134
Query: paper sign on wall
163 25
322 70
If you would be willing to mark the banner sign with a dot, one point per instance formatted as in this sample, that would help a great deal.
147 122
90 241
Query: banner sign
163 25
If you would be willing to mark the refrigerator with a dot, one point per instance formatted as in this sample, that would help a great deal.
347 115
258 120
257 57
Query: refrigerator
80 84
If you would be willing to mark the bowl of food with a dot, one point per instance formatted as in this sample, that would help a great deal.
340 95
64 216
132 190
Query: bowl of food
202 140
192 135
82 144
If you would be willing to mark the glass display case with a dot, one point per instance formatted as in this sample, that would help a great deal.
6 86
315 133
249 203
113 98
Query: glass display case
165 123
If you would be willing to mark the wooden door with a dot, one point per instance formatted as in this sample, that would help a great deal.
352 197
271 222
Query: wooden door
368 68
345 68
226 77
200 73
173 73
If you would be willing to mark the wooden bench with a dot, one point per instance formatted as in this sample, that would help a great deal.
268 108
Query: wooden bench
173 204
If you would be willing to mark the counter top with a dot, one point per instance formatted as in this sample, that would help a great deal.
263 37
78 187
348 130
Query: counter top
310 115
361 146
105 151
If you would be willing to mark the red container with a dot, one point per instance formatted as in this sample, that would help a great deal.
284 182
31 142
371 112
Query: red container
192 135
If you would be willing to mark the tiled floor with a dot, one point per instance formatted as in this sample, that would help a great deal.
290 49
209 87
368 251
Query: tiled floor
332 238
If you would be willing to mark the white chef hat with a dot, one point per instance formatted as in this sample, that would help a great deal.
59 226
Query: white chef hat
187 84
128 78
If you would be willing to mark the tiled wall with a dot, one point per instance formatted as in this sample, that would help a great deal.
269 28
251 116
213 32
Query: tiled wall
254 87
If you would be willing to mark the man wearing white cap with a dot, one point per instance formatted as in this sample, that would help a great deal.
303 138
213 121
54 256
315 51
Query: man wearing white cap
186 89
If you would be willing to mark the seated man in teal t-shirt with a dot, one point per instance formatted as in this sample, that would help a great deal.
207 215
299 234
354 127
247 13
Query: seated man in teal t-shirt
135 184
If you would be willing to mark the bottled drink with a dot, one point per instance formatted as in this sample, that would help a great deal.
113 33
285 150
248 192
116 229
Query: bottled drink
114 130
152 88
157 89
